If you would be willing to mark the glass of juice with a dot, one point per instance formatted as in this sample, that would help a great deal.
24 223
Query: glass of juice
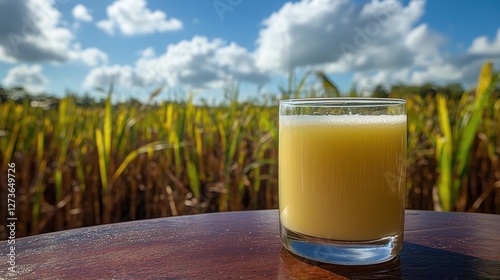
342 177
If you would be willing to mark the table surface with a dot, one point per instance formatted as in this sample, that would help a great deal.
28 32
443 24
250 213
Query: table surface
247 245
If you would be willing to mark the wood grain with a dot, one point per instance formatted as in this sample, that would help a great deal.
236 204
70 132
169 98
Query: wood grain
246 245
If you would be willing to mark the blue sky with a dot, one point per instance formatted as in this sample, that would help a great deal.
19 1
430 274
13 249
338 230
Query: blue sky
194 45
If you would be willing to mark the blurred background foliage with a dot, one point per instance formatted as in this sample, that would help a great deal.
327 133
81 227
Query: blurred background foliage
82 162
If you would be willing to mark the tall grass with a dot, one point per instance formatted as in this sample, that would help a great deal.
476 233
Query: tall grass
454 144
80 166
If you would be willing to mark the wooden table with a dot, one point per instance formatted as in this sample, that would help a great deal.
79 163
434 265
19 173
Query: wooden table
247 245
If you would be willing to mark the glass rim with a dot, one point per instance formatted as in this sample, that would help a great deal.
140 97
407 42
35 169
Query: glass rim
342 102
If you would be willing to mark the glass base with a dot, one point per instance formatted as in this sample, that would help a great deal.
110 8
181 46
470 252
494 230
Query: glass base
342 252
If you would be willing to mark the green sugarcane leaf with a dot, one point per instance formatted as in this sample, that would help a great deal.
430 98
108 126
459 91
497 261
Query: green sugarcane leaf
486 85
331 90
444 153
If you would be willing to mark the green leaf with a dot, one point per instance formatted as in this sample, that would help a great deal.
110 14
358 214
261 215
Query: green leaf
444 156
148 148
331 90
486 85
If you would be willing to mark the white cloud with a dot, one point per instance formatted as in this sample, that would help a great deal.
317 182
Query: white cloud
481 46
90 56
442 73
461 68
5 57
337 32
424 45
293 35
132 17
147 52
119 75
29 77
80 12
32 31
381 41
199 63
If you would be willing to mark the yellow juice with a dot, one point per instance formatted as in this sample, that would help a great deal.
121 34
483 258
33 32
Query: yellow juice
342 177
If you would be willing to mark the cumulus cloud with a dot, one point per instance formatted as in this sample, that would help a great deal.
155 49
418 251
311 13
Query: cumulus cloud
483 47
433 66
120 75
147 52
132 17
80 12
90 56
382 41
198 63
202 63
29 77
32 31
337 32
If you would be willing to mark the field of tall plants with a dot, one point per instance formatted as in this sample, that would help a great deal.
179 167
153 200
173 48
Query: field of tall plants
86 165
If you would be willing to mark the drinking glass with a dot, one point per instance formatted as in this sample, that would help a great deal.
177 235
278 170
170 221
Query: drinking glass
342 176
